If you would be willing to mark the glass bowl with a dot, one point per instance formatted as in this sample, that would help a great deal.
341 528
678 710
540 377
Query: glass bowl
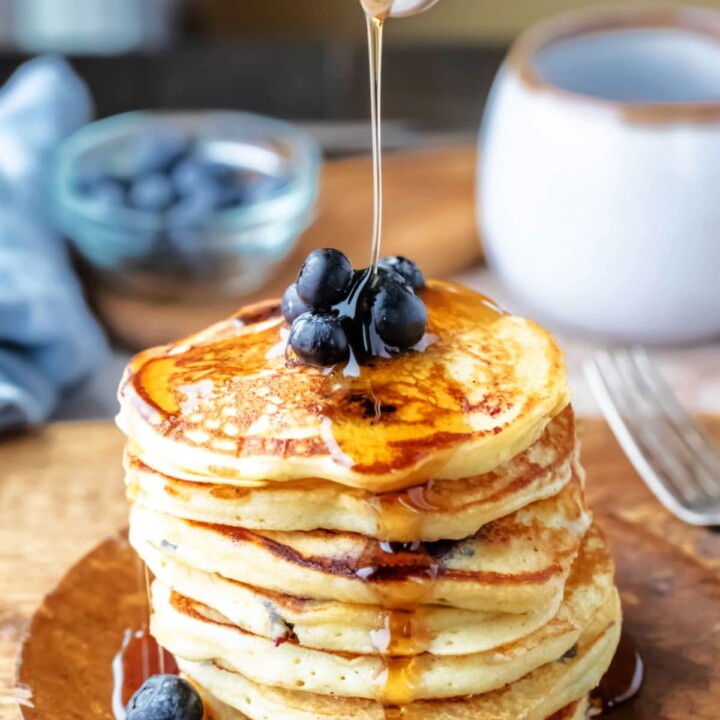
154 252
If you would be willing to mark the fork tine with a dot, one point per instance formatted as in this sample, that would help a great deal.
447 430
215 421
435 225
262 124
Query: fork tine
674 445
609 387
653 434
693 434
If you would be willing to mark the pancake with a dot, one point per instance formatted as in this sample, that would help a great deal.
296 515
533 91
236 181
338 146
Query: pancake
440 510
536 696
575 711
227 404
511 565
196 632
216 710
406 539
343 627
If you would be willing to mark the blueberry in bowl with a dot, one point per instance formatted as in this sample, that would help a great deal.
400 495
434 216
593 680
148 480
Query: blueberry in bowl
185 206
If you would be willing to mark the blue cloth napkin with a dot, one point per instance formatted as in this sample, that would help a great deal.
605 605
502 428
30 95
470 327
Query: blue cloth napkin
49 341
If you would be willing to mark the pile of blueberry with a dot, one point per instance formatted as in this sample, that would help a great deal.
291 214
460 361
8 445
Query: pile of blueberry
167 173
165 697
334 310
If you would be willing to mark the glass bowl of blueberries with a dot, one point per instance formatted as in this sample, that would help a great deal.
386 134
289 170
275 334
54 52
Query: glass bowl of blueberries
186 205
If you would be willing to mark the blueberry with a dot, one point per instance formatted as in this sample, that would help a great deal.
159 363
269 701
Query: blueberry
194 209
151 192
324 278
190 174
232 198
398 314
292 305
230 193
319 339
159 153
406 269
106 191
223 175
89 178
165 697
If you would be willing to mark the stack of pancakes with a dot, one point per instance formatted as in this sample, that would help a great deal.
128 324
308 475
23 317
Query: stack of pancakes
409 541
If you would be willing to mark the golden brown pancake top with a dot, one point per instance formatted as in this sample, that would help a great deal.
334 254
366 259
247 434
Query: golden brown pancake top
232 392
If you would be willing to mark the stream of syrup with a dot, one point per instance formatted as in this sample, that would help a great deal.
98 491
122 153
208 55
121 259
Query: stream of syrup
375 24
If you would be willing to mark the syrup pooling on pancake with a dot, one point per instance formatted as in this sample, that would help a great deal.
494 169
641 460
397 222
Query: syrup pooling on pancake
438 510
536 696
511 565
224 404
198 632
341 627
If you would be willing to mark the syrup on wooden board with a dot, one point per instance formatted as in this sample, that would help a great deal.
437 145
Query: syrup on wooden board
622 681
139 657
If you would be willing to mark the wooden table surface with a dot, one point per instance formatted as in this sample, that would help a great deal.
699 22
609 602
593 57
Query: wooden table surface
61 492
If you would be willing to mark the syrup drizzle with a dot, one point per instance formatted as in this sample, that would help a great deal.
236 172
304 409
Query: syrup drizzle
401 635
401 515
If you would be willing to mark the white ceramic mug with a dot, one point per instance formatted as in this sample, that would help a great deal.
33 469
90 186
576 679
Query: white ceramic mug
599 182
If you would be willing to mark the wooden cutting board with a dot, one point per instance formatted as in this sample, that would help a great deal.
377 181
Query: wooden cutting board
429 203
61 493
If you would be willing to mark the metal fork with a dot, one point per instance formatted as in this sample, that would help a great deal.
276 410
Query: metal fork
675 456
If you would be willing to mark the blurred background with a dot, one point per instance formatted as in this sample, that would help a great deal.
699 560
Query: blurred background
135 277
297 59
